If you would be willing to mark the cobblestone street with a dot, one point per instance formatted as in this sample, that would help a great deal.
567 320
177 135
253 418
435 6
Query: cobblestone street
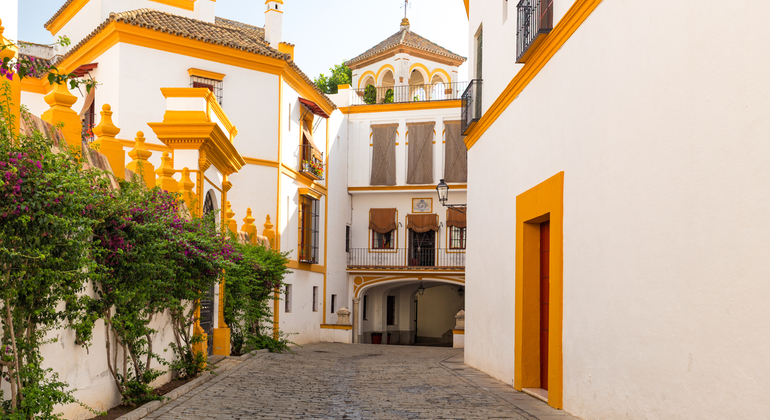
339 381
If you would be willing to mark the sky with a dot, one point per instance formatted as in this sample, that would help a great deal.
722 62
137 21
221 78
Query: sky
325 32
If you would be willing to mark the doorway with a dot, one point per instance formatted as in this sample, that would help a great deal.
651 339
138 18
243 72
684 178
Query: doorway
422 248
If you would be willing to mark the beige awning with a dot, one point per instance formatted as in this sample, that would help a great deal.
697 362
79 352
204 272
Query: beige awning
455 218
422 222
382 220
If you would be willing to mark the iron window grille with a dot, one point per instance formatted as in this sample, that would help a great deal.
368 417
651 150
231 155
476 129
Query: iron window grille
347 238
215 86
308 229
470 106
457 237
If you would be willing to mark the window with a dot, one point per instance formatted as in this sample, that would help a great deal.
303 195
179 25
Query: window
315 298
479 54
215 86
347 238
384 154
287 299
455 153
334 302
382 240
457 237
420 151
365 311
505 10
308 229
311 158
382 224
391 314
535 20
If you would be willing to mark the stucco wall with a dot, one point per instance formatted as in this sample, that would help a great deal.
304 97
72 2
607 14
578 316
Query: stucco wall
660 125
436 311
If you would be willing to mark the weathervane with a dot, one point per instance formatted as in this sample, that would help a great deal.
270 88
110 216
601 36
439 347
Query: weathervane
406 6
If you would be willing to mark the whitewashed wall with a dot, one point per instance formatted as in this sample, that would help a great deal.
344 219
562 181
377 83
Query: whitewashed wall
659 120
9 14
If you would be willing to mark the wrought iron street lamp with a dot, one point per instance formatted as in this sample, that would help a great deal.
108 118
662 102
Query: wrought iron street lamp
421 290
443 195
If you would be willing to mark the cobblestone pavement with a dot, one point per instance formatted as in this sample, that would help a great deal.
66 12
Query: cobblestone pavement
342 381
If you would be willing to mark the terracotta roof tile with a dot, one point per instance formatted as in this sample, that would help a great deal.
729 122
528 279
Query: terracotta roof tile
58 12
222 32
407 38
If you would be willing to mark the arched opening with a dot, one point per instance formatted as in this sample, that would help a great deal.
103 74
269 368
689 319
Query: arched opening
370 95
417 86
438 89
208 303
387 86
395 313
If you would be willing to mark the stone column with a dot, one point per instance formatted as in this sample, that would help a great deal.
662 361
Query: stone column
356 323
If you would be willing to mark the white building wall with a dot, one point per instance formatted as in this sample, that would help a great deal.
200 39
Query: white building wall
661 132
9 14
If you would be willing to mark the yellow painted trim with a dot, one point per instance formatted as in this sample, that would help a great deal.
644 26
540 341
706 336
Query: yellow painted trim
212 105
342 87
385 67
371 250
276 303
442 71
32 85
274 1
544 202
65 16
446 239
310 193
326 225
274 10
423 67
206 74
315 268
302 178
156 147
410 106
408 188
363 76
460 332
370 280
182 4
116 32
572 20
260 162
336 327
467 8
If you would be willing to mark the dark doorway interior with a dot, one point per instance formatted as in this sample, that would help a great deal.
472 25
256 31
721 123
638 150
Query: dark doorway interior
422 248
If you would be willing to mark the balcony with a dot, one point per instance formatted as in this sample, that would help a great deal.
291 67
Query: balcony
405 259
535 22
407 93
311 162
471 106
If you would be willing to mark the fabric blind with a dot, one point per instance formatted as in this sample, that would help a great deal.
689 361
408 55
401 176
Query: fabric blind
382 220
309 138
422 222
455 154
455 218
420 162
384 154
87 104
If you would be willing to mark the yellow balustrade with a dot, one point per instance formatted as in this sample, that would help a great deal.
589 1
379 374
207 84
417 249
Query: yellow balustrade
230 223
139 163
186 188
165 173
269 233
61 100
249 227
107 144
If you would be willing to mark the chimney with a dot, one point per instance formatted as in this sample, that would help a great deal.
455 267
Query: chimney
273 22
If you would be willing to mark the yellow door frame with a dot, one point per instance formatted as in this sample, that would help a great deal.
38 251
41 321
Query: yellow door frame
541 203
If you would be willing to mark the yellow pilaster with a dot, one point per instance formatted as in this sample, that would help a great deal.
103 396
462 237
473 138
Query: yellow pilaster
61 100
249 227
269 233
186 189
230 223
200 347
106 143
165 173
139 161
10 53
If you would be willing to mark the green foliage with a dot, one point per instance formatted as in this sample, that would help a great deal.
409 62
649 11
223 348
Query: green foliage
46 224
370 95
340 75
388 97
250 286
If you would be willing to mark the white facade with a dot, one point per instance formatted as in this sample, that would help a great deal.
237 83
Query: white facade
659 124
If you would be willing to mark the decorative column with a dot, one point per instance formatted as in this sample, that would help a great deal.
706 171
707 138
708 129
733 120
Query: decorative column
61 100
139 161
165 173
226 187
269 233
230 223
356 323
458 332
203 165
186 189
10 53
106 143
249 227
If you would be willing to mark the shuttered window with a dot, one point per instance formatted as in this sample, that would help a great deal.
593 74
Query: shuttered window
455 154
384 154
420 162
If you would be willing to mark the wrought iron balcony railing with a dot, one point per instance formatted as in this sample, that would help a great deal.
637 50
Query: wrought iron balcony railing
471 105
535 21
406 259
311 161
408 93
